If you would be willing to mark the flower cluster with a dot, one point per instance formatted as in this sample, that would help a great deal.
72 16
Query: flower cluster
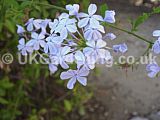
73 37
153 68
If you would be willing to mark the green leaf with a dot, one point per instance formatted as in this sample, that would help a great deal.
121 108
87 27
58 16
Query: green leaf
3 101
11 27
102 9
2 92
139 21
25 4
85 4
156 10
6 84
82 111
67 105
12 3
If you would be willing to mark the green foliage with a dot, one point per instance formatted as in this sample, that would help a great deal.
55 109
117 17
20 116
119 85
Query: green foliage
102 9
156 10
141 19
67 105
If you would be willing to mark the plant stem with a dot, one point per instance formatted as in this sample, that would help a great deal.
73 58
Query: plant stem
145 52
53 6
129 32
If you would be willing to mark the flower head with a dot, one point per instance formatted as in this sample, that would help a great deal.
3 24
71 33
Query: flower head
51 44
110 16
156 47
152 69
43 25
120 48
156 33
84 61
72 37
23 48
90 18
31 24
96 50
92 33
66 25
62 56
36 41
20 29
110 36
73 9
75 75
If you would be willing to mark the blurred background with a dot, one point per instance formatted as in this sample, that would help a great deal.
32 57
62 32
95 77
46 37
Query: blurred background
29 92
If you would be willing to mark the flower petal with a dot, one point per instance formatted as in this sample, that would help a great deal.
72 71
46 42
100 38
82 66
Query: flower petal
88 35
66 75
52 68
81 15
22 41
110 16
98 17
36 46
64 33
91 44
41 36
83 72
92 9
63 16
71 83
34 35
65 50
30 27
100 43
63 64
156 47
72 28
93 22
79 56
31 42
20 29
69 58
82 80
156 33
83 22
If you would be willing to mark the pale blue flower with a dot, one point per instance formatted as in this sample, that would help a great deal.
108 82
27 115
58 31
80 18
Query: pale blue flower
52 41
66 25
62 56
20 29
73 9
153 69
120 48
53 68
92 33
43 25
36 41
84 61
31 24
90 18
110 16
107 59
23 48
110 36
75 75
156 33
156 46
95 49
53 25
